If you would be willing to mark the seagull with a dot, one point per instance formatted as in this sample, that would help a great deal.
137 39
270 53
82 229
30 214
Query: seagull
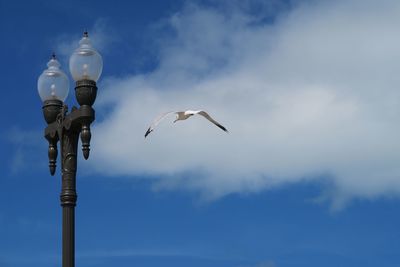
182 115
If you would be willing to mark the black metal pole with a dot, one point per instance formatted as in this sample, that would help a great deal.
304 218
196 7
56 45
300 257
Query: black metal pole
68 196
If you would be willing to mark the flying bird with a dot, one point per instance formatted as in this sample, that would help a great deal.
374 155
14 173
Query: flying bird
182 115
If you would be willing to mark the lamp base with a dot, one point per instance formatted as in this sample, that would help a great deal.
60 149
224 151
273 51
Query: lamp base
51 108
86 92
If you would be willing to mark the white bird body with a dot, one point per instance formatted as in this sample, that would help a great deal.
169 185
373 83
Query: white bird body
182 115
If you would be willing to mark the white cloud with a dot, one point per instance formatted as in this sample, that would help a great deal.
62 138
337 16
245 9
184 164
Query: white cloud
313 94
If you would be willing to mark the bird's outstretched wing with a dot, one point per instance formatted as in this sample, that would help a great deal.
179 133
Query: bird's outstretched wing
156 122
208 117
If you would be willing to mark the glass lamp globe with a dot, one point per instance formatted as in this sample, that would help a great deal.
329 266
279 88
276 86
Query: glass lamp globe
53 84
85 63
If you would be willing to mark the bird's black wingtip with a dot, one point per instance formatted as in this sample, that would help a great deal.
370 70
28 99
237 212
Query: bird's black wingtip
147 133
223 128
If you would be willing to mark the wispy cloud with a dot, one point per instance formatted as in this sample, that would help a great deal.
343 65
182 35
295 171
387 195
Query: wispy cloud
171 253
91 257
40 259
313 94
262 264
25 143
116 253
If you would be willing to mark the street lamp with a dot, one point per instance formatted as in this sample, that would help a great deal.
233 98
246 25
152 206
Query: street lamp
85 65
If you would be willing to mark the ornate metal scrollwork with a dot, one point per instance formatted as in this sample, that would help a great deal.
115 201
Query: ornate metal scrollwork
66 127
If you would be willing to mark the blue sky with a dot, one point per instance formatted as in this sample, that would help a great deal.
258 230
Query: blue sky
307 176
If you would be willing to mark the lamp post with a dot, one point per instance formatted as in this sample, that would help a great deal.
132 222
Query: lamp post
85 65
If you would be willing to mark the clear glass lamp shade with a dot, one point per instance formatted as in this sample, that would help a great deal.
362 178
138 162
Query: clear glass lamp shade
85 63
53 83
